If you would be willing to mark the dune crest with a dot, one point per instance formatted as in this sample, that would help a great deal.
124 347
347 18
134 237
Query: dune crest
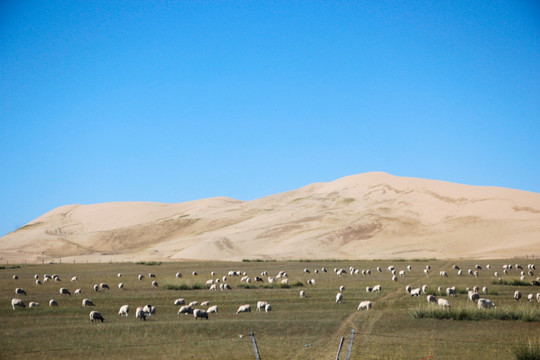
365 216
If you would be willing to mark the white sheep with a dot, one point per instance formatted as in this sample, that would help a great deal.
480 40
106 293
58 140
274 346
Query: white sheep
444 273
104 286
302 294
38 282
96 287
212 309
149 310
408 288
339 297
64 291
311 282
140 313
424 289
180 302
485 290
431 298
199 313
517 295
213 287
20 291
77 292
179 275
33 304
369 289
443 303
365 305
120 286
530 297
87 302
473 296
151 275
261 305
16 302
185 310
268 308
154 284
193 303
53 302
538 297
394 278
401 272
140 277
96 316
485 304
451 291
124 310
119 275
342 288
244 308
74 279
377 288
416 292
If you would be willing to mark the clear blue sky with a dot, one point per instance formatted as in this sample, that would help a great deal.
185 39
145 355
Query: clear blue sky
174 101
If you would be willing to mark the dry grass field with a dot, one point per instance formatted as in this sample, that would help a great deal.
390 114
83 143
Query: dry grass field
296 328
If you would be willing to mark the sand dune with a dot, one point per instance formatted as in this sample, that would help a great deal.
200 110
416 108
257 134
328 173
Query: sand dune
366 216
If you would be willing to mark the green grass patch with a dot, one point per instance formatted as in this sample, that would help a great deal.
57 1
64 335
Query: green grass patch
528 314
527 350
195 286
149 263
514 282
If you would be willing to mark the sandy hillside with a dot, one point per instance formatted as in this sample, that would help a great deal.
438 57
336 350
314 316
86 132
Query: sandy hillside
372 215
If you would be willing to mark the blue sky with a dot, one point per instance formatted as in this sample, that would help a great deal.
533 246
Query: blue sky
175 101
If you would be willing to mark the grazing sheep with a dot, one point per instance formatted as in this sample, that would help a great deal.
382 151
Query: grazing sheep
104 286
261 305
365 305
394 278
339 297
402 273
15 302
140 314
179 302
20 291
530 297
179 275
205 303
154 284
424 289
342 288
517 295
74 279
311 282
307 271
496 274
151 275
199 313
64 291
96 316
56 277
473 296
212 310
377 288
119 275
193 303
33 304
379 269
369 289
416 292
36 276
185 310
15 277
87 302
194 273
426 271
444 274
77 292
460 272
38 282
443 303
120 286
408 288
286 281
149 310
455 267
485 290
140 277
268 308
96 288
485 304
302 294
538 297
53 302
244 308
213 287
409 267
451 291
124 310
431 298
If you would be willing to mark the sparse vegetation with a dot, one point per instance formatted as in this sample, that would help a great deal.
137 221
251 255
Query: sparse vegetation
514 282
472 313
527 350
184 286
149 263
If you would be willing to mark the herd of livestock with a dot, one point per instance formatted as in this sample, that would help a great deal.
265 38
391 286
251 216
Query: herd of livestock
475 294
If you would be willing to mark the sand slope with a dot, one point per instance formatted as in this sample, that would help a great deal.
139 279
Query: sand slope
372 215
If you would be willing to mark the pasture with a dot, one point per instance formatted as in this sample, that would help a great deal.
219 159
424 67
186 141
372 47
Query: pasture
296 328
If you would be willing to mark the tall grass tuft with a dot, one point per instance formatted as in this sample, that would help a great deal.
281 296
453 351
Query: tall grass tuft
474 314
527 350
149 263
514 282
195 286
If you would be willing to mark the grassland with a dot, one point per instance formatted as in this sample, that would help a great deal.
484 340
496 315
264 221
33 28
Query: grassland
297 328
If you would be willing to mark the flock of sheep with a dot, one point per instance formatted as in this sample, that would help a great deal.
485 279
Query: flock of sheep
475 294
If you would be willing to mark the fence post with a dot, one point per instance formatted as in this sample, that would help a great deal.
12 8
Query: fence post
255 349
350 345
339 348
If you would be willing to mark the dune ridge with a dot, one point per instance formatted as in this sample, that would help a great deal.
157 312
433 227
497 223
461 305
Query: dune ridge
365 216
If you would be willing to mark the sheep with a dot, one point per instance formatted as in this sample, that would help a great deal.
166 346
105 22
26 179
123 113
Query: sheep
443 303
394 278
20 291
485 290
530 297
460 272
339 297
185 310
390 268
154 284
38 282
365 305
286 281
149 310
424 289
96 316
209 282
87 302
496 274
451 291
124 310
402 273
119 275
244 308
426 271
179 275
77 292
213 287
194 273
120 286
15 277
444 274
199 313
517 295
456 267
409 267
56 277
408 288
416 292
268 308
36 276
342 288
193 303
311 282
140 277
179 302
33 304
473 296
377 288
307 271
261 305
104 286
302 294
538 297
140 314
151 275
431 298
96 288
64 291
16 302
53 302
485 304
212 309
369 289
74 279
